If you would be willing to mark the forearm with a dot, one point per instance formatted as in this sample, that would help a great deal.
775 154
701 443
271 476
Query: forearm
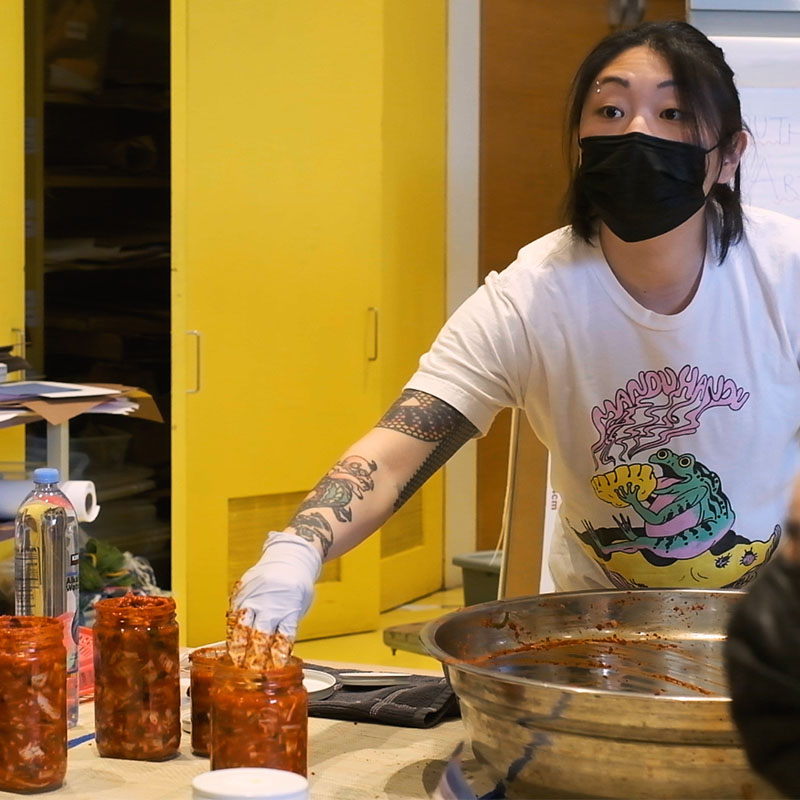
379 473
355 498
359 493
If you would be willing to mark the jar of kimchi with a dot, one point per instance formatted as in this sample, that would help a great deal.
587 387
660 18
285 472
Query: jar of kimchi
203 662
33 704
259 719
136 678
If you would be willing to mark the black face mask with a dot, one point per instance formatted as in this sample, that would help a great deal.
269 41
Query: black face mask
642 186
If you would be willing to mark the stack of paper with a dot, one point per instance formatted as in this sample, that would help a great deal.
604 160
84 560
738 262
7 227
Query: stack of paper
22 401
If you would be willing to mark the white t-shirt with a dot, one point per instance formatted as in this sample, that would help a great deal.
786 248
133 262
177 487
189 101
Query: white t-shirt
674 439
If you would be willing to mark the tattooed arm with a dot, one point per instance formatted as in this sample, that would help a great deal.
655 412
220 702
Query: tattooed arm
357 495
380 472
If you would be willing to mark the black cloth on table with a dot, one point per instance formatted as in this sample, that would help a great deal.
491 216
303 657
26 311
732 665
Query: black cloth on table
419 702
762 656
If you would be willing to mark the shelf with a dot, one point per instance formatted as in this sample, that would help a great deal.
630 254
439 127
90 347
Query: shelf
159 260
105 181
124 490
99 101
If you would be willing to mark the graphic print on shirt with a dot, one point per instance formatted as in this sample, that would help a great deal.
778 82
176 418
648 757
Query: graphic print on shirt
678 528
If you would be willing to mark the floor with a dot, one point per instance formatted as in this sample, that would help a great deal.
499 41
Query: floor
368 648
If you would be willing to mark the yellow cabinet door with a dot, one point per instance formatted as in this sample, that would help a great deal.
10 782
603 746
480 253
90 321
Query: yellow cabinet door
277 159
12 196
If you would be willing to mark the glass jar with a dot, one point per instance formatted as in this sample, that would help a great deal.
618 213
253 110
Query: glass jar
33 704
136 678
259 719
203 662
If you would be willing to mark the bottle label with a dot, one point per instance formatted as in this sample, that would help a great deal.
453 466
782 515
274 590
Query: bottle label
27 580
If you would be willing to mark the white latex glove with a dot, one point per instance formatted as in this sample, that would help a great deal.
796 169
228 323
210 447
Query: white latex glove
278 589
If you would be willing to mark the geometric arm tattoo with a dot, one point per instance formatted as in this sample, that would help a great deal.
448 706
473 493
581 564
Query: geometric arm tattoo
415 414
428 419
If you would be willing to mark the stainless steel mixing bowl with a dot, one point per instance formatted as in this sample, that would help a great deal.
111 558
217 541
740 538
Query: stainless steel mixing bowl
610 694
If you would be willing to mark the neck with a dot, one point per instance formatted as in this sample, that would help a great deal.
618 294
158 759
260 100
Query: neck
661 273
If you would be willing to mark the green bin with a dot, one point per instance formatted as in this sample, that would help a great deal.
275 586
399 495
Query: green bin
481 572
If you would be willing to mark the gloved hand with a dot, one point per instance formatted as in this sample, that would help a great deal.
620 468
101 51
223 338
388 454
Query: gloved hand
277 590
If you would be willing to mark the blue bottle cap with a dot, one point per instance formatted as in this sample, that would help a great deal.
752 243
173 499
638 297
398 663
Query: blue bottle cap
46 475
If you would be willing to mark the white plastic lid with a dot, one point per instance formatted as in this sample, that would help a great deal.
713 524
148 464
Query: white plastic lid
250 783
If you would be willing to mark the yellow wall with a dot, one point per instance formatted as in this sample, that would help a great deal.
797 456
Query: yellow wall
414 179
12 185
180 356
12 192
413 254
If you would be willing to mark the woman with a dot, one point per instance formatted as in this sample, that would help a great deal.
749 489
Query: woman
651 342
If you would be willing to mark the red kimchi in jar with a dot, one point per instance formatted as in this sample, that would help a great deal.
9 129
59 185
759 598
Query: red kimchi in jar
203 662
33 704
259 719
136 678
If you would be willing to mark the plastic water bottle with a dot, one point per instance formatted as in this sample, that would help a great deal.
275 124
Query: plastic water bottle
46 566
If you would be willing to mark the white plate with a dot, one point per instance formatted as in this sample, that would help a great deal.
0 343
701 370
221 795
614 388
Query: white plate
186 706
373 678
319 685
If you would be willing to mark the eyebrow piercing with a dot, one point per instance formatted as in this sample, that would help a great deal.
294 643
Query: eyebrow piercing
597 84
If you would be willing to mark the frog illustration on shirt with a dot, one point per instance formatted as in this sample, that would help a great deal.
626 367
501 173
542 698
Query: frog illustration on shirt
686 514
672 524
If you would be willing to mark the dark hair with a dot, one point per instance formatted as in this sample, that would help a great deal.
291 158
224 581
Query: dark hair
705 89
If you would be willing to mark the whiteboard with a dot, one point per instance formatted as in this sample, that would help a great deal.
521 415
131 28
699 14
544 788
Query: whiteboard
767 74
771 166
746 5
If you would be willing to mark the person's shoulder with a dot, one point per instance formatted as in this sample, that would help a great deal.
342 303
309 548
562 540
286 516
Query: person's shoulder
771 245
775 227
549 255
558 246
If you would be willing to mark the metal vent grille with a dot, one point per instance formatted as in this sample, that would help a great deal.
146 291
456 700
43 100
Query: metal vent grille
250 519
404 530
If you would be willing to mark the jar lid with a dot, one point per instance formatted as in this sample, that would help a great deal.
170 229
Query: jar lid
250 783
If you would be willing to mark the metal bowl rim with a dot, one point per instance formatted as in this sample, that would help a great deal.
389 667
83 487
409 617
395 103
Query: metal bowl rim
428 632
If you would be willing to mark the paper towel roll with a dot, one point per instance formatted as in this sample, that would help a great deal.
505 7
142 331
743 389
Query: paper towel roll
81 494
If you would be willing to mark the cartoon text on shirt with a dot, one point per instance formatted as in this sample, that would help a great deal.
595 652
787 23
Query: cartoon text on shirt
685 535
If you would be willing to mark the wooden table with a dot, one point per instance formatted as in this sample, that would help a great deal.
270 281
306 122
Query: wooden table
347 761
